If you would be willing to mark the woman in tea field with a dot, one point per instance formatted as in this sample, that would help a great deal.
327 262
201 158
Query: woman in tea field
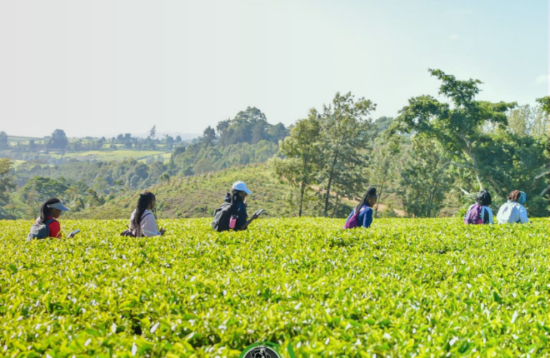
361 216
47 225
513 210
232 215
142 221
480 212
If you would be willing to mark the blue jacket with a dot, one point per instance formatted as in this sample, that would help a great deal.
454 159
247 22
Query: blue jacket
365 216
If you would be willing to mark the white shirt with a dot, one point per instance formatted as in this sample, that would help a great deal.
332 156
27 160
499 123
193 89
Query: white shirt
512 212
483 210
148 224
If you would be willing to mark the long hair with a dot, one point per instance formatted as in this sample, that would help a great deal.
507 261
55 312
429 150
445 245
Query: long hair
484 198
514 196
370 193
46 212
143 203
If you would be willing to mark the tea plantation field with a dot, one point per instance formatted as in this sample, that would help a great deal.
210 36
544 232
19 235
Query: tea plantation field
404 288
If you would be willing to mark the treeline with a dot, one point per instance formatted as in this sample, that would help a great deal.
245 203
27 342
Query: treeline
86 184
428 161
246 139
433 156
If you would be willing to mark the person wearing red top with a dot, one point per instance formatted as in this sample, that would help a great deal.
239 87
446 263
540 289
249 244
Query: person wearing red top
52 210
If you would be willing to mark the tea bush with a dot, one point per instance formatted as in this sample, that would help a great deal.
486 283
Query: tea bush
404 288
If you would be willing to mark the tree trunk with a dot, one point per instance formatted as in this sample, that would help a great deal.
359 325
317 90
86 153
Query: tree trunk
379 199
302 191
329 184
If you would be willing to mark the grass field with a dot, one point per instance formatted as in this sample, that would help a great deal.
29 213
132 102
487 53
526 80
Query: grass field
24 140
403 288
111 155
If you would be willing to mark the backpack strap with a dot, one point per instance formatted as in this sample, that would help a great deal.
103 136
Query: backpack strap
144 216
361 209
48 222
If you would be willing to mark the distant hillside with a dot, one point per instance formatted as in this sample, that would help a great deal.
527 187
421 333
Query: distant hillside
200 195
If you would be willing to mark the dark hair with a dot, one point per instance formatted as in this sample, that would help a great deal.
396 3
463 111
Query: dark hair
484 198
370 193
144 201
235 195
46 212
514 195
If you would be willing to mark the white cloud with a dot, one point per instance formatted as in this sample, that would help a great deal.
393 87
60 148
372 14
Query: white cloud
454 37
542 79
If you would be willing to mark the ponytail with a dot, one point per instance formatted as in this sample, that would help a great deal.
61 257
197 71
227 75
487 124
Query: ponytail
144 201
514 195
46 212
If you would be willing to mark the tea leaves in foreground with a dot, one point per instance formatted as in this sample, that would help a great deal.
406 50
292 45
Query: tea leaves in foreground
404 288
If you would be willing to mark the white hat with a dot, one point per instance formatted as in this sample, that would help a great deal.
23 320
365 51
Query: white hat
240 186
58 206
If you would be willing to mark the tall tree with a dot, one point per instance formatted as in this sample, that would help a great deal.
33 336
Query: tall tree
39 189
59 139
303 155
457 128
345 135
153 132
209 136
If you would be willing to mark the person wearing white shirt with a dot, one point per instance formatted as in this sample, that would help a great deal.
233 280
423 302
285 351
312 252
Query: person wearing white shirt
513 211
142 221
483 199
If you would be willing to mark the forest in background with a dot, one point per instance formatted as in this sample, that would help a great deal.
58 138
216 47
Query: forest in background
428 161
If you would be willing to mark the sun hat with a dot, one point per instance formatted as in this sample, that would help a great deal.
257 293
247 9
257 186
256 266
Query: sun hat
240 186
59 206
522 197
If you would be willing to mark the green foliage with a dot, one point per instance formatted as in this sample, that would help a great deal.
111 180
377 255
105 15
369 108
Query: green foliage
329 147
249 126
104 176
528 121
39 189
58 140
458 130
424 179
6 184
199 158
200 195
346 133
496 160
403 288
303 156
383 164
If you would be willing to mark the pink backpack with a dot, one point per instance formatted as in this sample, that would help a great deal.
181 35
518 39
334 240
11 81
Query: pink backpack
352 221
473 216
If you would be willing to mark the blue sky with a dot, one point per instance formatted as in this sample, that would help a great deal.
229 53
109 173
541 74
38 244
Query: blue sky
107 67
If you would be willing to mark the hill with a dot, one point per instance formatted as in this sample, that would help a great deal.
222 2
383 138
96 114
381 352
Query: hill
200 195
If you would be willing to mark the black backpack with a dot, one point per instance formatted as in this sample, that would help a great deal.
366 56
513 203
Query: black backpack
40 230
221 217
